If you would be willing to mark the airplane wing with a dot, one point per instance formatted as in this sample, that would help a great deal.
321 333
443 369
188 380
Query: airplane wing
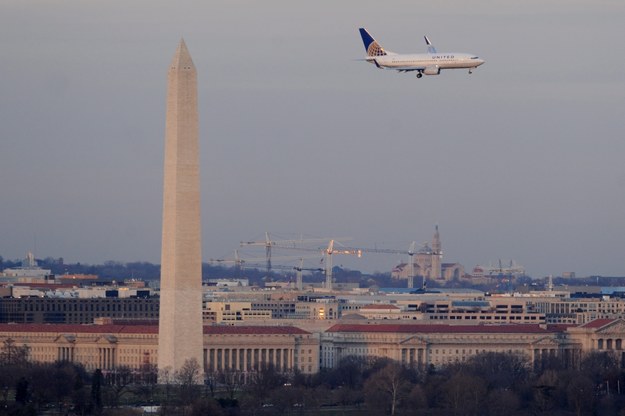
397 68
409 68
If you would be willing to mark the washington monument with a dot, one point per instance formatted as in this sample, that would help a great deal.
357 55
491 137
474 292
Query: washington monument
180 322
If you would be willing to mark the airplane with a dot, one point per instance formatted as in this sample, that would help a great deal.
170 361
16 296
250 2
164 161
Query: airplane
430 63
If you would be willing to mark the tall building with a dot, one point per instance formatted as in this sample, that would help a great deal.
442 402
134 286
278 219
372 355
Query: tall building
427 263
180 321
437 255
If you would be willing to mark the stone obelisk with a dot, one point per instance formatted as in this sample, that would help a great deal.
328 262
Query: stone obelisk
180 317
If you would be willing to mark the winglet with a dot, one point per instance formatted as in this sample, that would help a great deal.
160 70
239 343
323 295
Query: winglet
431 48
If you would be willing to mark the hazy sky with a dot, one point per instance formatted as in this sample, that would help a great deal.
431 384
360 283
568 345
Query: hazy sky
521 160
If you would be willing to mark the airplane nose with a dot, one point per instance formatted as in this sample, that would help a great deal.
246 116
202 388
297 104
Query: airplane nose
480 62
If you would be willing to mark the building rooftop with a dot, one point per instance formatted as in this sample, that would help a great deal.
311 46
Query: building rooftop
598 323
456 329
379 306
148 329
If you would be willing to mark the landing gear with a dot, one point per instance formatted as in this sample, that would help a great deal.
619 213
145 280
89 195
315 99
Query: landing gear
419 74
470 70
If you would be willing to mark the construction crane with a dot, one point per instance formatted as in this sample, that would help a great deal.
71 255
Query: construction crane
293 244
299 279
411 266
240 264
410 253
329 252
268 244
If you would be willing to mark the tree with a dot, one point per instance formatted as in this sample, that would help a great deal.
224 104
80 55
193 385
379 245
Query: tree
188 379
580 393
11 354
118 384
79 395
386 388
22 395
265 380
206 406
546 391
499 370
464 394
349 372
146 382
165 378
416 401
232 382
96 389
600 367
56 383
502 402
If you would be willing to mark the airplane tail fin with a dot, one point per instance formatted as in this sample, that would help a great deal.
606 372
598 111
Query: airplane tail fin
372 47
431 48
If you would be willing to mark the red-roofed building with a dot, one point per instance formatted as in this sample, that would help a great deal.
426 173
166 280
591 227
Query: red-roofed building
598 323
605 335
109 346
380 311
425 345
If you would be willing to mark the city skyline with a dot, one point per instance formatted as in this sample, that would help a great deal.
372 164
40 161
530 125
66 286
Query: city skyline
520 160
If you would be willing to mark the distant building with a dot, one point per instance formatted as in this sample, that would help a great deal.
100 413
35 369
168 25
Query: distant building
76 310
578 310
28 272
229 282
452 271
428 264
380 311
228 312
503 269
110 347
422 346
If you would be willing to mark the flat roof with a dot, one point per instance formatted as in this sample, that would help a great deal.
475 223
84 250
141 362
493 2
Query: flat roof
148 329
455 329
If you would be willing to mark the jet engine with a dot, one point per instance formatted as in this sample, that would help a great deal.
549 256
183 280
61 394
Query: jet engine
432 70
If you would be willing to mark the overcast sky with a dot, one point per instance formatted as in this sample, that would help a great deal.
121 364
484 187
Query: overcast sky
521 160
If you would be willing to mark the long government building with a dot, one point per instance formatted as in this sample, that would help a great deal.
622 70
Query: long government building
109 346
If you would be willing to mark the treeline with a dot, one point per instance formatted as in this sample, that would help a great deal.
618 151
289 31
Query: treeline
489 384
113 270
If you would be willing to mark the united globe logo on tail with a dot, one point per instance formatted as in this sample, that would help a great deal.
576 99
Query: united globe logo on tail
375 50
372 47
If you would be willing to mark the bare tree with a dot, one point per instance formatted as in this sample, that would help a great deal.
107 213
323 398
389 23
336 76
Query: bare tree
499 370
12 354
601 367
580 393
502 402
387 387
464 394
146 382
188 378
118 384
265 380
545 389
232 382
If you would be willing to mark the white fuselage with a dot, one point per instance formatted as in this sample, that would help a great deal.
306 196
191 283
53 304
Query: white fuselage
423 61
